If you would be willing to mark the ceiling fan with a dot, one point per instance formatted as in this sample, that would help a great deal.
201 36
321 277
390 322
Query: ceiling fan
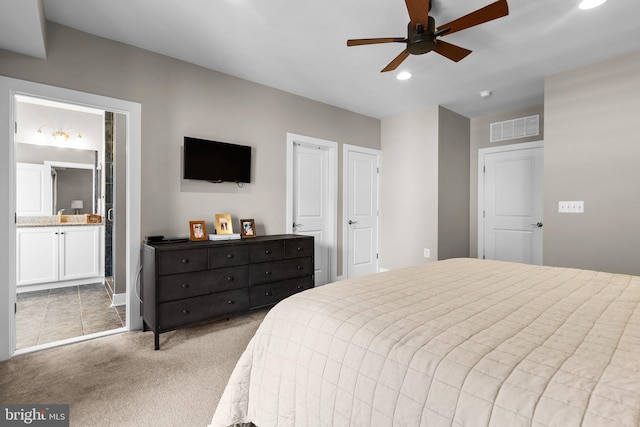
423 34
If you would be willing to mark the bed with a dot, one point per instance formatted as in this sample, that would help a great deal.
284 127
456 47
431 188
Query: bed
461 342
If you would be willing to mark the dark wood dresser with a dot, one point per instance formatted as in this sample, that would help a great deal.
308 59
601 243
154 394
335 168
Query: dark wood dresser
191 282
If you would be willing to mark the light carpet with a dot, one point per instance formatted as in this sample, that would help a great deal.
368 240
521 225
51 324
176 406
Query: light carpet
120 380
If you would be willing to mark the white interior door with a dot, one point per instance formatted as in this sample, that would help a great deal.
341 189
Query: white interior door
513 205
362 196
312 206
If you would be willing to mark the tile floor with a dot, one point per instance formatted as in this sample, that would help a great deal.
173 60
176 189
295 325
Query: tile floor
56 314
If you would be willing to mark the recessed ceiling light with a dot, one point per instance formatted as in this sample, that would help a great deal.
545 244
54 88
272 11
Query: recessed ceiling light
590 4
485 94
405 75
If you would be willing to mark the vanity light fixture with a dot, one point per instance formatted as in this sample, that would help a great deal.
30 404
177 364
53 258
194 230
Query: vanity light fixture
590 4
60 135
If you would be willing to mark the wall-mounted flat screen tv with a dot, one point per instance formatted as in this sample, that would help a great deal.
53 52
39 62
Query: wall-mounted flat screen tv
216 161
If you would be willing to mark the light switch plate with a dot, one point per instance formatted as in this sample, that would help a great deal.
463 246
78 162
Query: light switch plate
571 206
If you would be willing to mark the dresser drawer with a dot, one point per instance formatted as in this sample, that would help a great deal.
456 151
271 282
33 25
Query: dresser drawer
266 272
177 286
266 251
272 293
297 248
228 256
191 310
182 261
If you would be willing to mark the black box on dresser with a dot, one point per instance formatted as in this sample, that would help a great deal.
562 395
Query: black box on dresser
191 282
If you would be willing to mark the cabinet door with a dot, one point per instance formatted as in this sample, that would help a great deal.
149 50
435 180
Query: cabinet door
33 189
37 255
79 252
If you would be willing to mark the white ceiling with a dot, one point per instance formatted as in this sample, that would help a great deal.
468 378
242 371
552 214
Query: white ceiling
299 46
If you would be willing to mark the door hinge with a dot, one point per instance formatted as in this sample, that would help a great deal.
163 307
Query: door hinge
484 214
377 170
484 169
376 256
15 307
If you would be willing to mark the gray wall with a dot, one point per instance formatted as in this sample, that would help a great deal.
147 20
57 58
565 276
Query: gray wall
74 184
425 187
480 138
409 189
181 99
453 188
592 153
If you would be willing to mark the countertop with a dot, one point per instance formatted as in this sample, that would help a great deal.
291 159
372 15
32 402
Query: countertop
55 221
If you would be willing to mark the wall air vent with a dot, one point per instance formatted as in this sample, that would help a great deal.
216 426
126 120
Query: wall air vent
516 128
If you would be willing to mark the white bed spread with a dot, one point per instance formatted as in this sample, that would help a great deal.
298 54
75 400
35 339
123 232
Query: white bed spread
461 342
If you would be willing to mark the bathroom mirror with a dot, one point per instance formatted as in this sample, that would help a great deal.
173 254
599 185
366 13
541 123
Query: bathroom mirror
73 175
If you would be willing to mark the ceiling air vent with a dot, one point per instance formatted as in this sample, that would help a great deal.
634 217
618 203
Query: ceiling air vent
516 128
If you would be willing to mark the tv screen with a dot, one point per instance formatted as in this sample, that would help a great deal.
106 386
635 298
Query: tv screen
216 161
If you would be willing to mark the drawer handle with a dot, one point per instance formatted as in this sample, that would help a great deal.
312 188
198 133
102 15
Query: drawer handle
268 252
300 267
230 278
185 285
230 302
299 287
185 311
300 249
185 261
268 294
268 273
230 256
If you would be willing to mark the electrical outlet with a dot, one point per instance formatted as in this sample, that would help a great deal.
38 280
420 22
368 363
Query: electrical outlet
427 253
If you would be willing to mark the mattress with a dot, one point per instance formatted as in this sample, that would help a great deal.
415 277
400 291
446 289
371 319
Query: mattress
461 342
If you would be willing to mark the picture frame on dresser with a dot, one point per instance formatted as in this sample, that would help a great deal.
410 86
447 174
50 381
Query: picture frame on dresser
247 228
223 224
198 230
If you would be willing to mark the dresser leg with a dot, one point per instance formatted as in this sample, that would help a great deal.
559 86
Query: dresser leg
156 341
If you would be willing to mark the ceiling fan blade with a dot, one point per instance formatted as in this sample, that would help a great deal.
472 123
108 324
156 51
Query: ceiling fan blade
396 62
488 13
360 42
418 12
451 51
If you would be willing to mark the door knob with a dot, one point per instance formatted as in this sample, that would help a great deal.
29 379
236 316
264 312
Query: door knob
296 225
352 222
537 224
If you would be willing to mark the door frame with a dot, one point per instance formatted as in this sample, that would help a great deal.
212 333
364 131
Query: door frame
346 148
9 89
482 152
332 236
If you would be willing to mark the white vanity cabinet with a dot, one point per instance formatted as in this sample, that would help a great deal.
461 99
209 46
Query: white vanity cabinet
56 256
33 189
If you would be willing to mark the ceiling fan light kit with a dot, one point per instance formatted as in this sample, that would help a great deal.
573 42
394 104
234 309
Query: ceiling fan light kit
423 35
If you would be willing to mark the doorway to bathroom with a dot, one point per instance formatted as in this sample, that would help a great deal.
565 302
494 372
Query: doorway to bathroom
10 88
70 242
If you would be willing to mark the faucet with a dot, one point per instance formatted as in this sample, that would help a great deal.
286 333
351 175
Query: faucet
60 211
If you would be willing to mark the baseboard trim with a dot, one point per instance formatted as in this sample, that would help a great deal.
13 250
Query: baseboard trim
118 299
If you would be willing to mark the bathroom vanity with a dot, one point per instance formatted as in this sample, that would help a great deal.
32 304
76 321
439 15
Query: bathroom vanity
57 254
